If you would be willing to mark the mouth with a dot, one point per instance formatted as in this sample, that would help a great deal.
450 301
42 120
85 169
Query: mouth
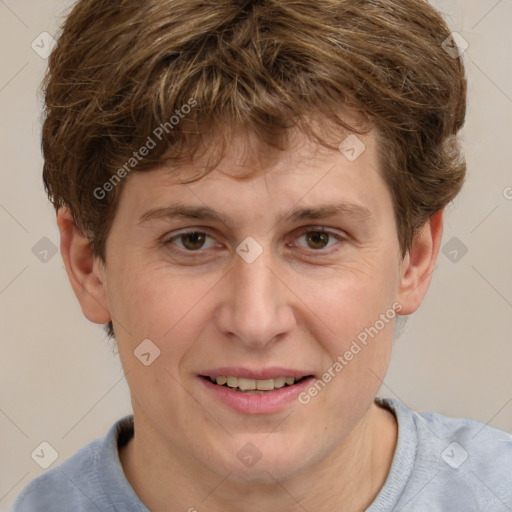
255 391
250 386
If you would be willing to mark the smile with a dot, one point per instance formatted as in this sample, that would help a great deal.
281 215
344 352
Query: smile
263 391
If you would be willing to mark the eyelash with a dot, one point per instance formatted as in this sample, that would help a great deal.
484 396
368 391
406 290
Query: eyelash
167 242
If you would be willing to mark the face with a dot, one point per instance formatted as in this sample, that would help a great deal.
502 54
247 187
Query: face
262 274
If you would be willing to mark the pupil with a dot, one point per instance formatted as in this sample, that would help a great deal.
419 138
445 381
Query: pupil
196 239
318 237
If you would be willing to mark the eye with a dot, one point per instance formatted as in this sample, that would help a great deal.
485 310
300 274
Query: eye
191 241
318 239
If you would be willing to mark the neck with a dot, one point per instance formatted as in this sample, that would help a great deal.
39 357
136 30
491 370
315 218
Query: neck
348 478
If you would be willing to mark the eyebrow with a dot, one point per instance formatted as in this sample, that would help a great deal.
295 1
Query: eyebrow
350 210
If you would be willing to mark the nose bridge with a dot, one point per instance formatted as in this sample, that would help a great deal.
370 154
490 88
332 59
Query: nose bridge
256 309
255 284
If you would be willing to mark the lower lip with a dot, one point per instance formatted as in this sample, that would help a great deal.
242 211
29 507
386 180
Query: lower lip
264 403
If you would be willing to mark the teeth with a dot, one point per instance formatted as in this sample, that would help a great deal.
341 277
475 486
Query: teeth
253 384
279 382
232 382
246 384
265 385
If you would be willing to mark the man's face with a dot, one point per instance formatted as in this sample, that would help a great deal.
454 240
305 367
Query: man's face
272 288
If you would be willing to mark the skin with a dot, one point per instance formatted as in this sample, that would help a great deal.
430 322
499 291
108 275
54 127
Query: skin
300 304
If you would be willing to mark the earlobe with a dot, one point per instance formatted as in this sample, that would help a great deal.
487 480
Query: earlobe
419 263
85 273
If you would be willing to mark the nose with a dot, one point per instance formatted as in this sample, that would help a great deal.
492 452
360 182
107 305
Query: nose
257 306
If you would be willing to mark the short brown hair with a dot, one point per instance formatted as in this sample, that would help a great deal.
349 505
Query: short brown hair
122 68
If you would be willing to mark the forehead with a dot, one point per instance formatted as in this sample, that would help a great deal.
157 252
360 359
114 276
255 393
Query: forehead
253 177
247 156
242 153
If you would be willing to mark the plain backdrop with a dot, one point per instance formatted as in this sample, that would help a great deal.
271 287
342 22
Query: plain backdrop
61 383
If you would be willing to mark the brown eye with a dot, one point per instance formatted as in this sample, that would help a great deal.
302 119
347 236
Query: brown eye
193 241
317 239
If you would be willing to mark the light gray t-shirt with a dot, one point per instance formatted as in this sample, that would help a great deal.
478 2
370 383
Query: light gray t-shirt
440 464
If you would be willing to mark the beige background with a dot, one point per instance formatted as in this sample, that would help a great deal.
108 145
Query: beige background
60 381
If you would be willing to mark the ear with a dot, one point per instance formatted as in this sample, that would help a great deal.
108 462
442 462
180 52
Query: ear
419 263
86 273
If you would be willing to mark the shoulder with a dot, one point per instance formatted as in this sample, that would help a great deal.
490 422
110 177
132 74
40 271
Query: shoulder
485 449
81 482
62 485
454 463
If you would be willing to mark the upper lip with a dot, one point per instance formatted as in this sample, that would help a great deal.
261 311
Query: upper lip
257 374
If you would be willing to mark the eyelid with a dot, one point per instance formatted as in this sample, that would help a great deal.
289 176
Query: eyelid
323 229
168 237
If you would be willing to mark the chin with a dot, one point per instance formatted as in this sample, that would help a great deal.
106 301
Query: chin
245 463
262 474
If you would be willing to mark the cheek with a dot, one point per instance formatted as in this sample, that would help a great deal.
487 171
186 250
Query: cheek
356 326
160 304
351 316
355 329
351 299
